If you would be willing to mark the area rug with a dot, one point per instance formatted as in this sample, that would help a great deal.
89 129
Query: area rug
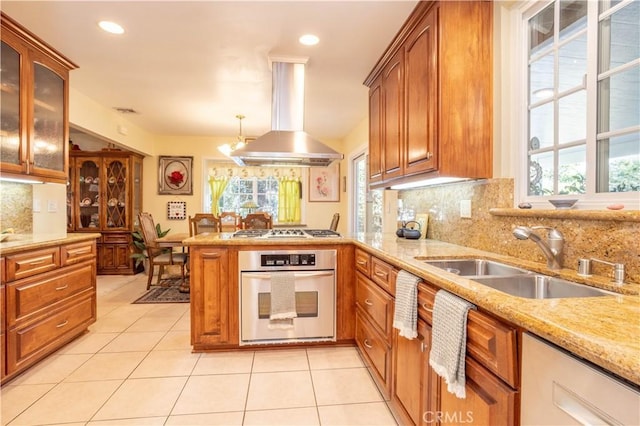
166 292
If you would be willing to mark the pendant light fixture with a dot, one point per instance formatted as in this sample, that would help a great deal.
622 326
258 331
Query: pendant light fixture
228 148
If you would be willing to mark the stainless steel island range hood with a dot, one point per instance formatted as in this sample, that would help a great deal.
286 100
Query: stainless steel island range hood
286 144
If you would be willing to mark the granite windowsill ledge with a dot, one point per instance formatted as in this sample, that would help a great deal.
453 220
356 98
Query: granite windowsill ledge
606 215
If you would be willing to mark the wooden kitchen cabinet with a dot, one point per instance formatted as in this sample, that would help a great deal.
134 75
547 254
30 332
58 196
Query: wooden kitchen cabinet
214 297
374 317
49 298
488 400
34 113
492 380
437 122
3 316
412 376
105 195
386 112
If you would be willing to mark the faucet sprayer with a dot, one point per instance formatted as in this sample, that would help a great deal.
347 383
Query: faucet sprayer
552 250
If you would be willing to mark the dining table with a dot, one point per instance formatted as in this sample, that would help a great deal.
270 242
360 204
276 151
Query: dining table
172 241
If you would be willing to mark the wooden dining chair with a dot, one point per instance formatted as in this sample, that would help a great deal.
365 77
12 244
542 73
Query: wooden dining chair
258 220
334 222
203 222
230 222
158 255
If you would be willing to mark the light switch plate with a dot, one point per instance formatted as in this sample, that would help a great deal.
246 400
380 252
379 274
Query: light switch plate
465 209
52 206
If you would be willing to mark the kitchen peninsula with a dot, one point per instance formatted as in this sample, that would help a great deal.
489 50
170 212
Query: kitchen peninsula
575 324
593 328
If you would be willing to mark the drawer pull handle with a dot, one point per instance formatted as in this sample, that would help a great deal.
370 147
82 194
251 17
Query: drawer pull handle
381 274
39 262
368 302
366 344
424 306
63 287
362 262
62 324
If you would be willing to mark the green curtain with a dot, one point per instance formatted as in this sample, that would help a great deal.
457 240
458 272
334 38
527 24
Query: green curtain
289 200
217 185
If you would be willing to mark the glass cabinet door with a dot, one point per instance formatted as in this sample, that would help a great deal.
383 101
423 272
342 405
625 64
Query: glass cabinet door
70 203
136 201
12 152
117 195
87 173
47 142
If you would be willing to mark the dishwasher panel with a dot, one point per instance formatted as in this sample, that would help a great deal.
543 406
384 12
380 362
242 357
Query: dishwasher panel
560 389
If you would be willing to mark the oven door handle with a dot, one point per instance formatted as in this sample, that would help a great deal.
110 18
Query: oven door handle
267 275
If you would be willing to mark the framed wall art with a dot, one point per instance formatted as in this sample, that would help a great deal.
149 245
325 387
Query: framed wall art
176 210
324 183
175 175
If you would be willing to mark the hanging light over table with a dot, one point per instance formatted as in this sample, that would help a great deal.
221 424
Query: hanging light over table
228 148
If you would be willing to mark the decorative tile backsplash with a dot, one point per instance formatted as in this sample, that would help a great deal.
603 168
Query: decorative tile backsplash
613 241
16 209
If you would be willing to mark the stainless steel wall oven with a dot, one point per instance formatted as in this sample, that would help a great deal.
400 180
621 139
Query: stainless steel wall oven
314 273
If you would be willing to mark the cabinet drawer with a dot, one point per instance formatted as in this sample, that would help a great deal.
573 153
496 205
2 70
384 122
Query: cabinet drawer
383 274
30 297
29 343
24 265
426 297
376 303
493 344
75 253
363 262
376 352
116 238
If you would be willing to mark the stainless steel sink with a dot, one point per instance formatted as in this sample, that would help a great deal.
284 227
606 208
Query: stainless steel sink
476 267
540 287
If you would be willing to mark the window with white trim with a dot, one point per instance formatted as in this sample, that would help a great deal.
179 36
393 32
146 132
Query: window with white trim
582 99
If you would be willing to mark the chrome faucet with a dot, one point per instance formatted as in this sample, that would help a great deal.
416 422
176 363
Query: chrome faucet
551 250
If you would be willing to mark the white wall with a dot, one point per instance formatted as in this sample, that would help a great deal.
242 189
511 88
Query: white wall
50 222
318 215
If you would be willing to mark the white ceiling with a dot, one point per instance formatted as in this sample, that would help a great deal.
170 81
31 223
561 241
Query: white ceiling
189 67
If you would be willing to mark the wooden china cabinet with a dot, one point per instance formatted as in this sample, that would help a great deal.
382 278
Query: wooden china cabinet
104 195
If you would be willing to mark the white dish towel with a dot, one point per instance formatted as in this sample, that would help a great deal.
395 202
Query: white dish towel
449 340
283 300
405 314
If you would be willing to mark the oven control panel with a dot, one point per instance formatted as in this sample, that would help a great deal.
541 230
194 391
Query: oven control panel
289 259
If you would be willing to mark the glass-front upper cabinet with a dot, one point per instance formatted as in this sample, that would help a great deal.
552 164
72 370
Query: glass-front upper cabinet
117 193
11 149
48 139
34 120
136 199
87 175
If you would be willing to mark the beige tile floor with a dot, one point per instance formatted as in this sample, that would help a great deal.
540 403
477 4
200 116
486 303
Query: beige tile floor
135 367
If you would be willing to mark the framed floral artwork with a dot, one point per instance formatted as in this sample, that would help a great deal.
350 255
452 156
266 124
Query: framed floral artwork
175 175
324 183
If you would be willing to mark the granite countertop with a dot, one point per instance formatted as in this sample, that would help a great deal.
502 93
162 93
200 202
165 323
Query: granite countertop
604 330
19 243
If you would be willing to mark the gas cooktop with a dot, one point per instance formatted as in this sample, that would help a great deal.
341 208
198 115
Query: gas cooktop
286 233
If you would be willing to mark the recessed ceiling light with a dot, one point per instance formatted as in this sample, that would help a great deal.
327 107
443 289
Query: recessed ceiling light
309 39
111 27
